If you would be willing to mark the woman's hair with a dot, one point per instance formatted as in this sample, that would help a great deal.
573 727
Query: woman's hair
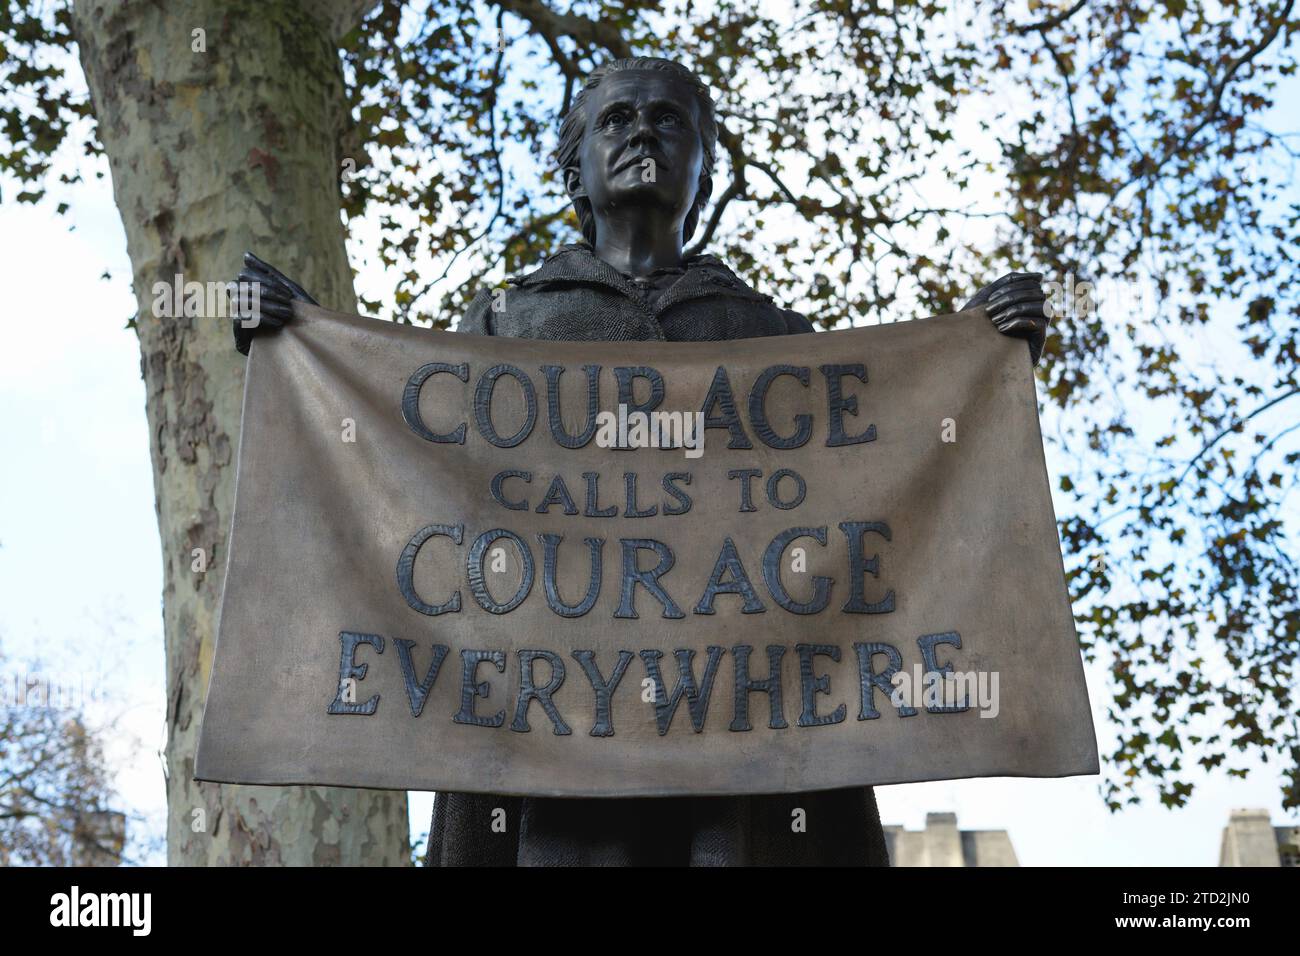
574 127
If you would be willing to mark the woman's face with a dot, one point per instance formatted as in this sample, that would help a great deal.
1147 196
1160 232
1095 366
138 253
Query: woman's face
642 146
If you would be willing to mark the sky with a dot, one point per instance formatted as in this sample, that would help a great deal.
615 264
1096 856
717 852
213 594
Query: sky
81 574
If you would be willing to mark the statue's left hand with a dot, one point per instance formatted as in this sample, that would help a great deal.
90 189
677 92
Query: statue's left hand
1017 305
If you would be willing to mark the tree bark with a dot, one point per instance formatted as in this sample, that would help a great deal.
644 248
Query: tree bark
214 152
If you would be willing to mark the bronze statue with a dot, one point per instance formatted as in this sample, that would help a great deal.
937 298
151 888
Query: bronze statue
637 151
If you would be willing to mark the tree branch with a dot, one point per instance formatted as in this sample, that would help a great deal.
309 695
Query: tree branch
1234 427
1042 26
341 16
550 24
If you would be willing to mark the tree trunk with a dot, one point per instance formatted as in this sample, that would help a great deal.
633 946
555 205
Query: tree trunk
220 142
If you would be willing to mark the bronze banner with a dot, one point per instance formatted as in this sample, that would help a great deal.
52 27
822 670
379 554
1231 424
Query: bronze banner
514 566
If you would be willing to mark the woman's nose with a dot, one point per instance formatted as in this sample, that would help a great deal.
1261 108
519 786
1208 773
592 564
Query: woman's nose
643 131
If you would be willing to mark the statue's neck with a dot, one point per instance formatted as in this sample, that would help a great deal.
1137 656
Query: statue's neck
639 245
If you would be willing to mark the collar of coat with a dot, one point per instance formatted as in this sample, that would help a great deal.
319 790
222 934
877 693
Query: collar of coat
577 264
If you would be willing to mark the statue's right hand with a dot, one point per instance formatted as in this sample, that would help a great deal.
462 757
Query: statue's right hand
263 300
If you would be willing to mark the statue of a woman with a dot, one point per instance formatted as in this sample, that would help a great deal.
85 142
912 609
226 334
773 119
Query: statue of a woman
637 151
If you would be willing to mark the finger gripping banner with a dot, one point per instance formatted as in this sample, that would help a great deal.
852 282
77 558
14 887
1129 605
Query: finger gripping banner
642 568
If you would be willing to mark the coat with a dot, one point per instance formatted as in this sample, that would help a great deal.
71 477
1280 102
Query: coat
577 296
